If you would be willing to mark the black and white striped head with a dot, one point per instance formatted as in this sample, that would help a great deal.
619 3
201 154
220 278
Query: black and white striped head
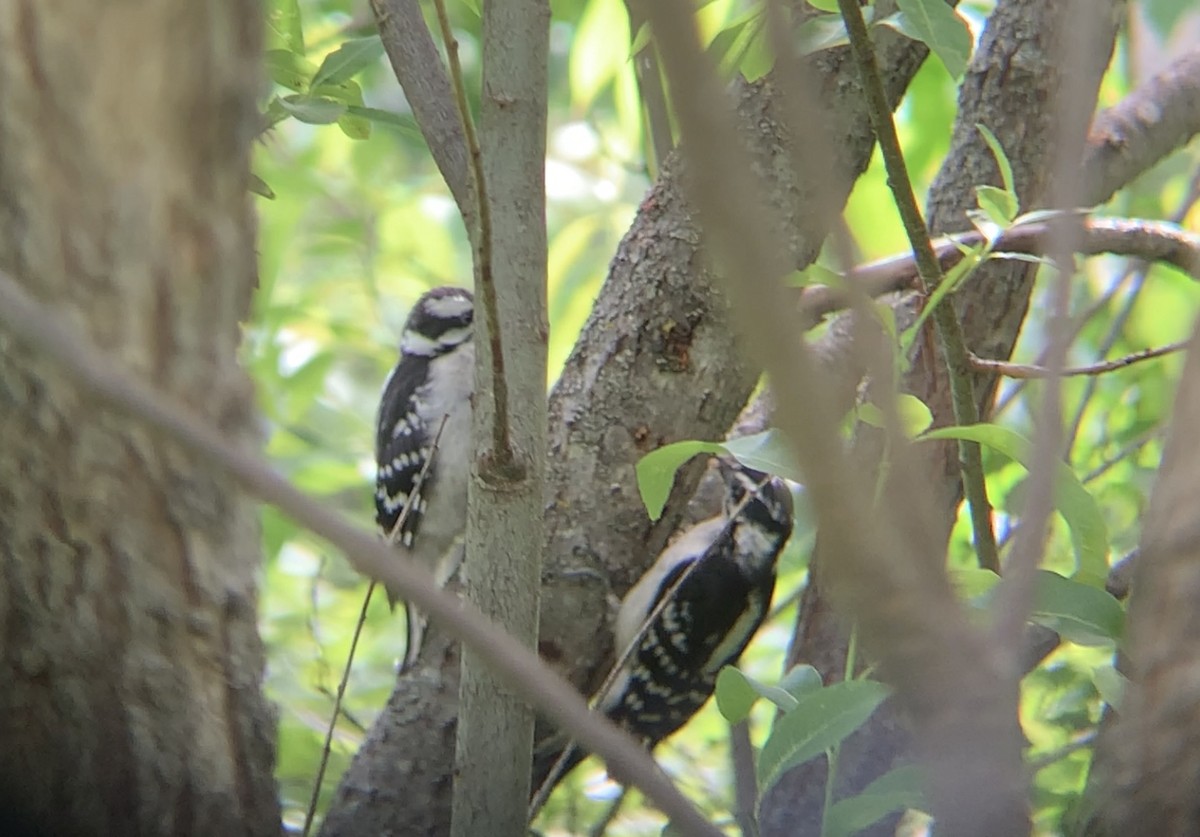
763 522
440 321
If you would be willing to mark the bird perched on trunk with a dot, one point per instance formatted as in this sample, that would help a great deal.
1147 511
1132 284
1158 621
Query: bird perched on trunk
716 579
428 391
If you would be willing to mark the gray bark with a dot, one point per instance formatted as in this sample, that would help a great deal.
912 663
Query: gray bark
1011 87
656 363
505 520
129 655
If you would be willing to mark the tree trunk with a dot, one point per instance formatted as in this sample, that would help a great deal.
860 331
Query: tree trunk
129 655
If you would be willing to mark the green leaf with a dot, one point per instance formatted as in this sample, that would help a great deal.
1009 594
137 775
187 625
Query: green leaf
1111 685
259 187
656 471
893 791
801 680
824 5
766 451
1000 206
347 60
1089 534
973 583
735 696
1078 612
284 29
287 69
820 720
1006 172
314 110
915 417
939 27
821 32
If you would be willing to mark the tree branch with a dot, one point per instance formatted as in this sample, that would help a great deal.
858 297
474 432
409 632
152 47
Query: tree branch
1158 117
422 75
101 375
954 349
1022 370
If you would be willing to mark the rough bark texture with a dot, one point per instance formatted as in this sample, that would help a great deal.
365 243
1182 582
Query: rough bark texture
1146 773
1011 86
656 363
129 655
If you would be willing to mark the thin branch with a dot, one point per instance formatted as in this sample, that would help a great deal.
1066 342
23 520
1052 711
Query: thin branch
422 75
327 746
1156 241
502 451
97 372
1023 370
954 347
1139 268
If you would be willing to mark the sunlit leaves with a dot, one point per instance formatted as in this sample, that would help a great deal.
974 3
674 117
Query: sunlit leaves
895 790
1078 508
821 719
939 27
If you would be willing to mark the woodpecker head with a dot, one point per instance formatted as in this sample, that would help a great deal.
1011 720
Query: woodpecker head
439 322
762 523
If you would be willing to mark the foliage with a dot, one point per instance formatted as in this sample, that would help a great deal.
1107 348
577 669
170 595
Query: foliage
360 224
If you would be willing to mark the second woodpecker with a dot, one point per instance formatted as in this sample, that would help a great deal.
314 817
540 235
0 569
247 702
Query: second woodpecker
429 389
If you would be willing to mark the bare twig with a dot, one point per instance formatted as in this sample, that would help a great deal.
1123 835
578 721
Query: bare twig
327 746
98 373
1156 241
950 335
1023 370
413 494
482 237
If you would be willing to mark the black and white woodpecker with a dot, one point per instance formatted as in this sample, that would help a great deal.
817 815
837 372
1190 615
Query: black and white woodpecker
718 577
433 382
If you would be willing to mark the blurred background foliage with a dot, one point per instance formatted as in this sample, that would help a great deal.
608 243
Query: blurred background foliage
359 224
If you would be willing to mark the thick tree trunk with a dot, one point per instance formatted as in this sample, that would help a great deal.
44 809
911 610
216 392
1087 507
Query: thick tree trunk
130 665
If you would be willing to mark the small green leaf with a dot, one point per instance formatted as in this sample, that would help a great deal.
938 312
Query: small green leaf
820 720
347 60
801 680
287 69
893 791
1000 206
815 274
735 696
1006 172
766 451
939 27
656 471
1111 685
1089 534
915 417
312 109
824 5
821 32
1078 612
284 29
259 187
